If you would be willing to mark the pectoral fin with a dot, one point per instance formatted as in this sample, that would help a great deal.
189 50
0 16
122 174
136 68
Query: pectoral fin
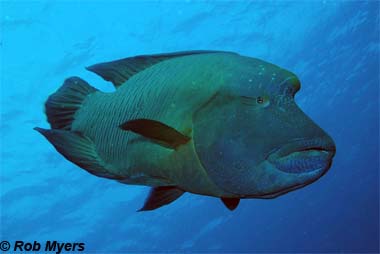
231 203
157 132
160 196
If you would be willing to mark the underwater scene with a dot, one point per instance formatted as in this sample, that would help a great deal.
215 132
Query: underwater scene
240 127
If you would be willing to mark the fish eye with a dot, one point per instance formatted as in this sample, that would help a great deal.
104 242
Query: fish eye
260 100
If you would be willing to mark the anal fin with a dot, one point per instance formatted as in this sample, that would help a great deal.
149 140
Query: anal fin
78 149
160 196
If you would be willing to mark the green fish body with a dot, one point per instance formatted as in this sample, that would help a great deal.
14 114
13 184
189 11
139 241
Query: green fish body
175 117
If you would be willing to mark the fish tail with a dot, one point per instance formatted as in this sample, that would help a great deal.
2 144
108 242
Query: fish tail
80 150
61 106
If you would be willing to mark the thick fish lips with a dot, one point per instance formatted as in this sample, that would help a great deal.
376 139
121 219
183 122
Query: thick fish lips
304 156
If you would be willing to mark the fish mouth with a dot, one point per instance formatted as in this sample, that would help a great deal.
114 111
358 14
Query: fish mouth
304 156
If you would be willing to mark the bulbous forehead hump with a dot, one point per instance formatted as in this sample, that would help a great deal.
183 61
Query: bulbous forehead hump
251 74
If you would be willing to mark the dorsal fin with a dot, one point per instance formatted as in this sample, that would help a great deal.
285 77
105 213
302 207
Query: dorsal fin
121 70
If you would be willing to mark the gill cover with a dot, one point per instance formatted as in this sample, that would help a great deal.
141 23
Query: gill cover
222 145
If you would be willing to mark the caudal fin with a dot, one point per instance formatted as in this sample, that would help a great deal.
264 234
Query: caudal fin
80 150
62 105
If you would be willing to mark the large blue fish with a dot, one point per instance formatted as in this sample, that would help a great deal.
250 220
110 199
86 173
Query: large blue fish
205 122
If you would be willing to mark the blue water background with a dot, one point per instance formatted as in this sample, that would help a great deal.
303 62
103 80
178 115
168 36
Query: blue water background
333 46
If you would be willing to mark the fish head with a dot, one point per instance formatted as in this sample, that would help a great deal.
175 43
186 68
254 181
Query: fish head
252 138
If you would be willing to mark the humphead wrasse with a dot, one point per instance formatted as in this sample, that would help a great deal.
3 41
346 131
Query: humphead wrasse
206 122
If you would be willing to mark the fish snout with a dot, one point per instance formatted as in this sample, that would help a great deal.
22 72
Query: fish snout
304 155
